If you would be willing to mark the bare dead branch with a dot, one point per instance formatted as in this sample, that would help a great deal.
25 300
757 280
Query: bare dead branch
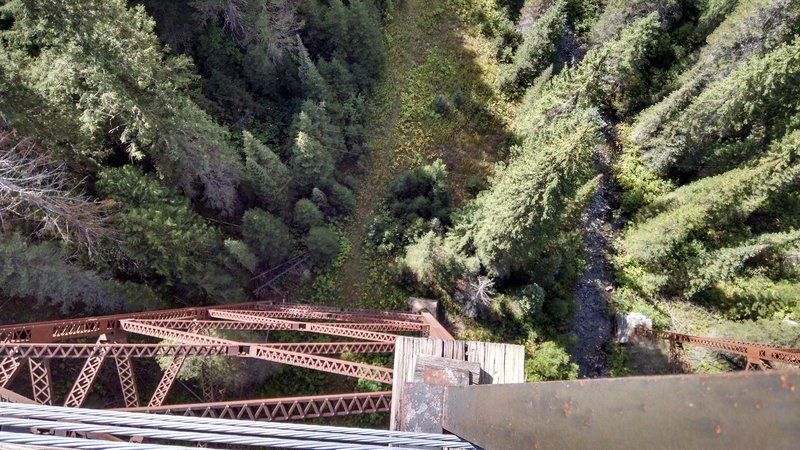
36 190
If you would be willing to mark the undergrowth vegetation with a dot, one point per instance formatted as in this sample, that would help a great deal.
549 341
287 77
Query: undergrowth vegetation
165 153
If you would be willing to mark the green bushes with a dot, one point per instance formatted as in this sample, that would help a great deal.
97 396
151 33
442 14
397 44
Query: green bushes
549 361
418 200
322 244
306 215
267 236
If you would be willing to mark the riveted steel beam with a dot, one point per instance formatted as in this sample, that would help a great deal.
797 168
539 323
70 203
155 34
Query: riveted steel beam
737 410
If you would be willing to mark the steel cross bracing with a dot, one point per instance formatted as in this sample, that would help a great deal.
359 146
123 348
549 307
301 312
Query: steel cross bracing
281 409
758 355
371 331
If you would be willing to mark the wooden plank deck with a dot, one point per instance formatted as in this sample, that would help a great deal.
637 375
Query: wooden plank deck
500 363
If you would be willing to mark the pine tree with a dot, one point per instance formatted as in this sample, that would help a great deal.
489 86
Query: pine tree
112 79
523 211
750 30
732 119
267 236
266 173
314 86
536 51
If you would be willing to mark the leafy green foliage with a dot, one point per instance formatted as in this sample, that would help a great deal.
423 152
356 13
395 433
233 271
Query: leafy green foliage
163 240
110 90
549 361
322 244
44 272
732 120
418 200
696 239
750 30
523 212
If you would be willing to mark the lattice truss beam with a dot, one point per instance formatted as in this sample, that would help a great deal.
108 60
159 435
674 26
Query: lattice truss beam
180 334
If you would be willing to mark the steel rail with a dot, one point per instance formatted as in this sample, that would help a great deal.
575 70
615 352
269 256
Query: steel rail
116 414
47 441
322 363
191 436
281 409
237 428
163 423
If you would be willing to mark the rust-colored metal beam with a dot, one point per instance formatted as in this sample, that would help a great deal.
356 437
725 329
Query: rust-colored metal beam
82 351
307 310
760 355
111 350
167 380
311 327
41 380
374 373
83 384
437 331
278 324
13 397
127 381
282 409
59 330
9 367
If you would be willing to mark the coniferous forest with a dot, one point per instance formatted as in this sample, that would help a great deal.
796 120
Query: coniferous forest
515 160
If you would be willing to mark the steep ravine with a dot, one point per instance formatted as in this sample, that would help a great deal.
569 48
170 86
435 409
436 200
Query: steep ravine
592 325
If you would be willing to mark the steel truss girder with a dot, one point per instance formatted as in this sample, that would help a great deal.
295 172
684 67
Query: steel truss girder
82 351
282 409
756 354
374 373
170 374
59 330
280 324
41 380
9 366
276 324
83 384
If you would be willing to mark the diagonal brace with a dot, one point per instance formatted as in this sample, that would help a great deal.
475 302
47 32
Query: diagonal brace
77 395
41 380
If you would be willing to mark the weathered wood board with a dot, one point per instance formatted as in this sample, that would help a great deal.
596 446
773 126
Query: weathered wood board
500 363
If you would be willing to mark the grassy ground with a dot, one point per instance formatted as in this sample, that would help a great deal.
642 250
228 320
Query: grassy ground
431 53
